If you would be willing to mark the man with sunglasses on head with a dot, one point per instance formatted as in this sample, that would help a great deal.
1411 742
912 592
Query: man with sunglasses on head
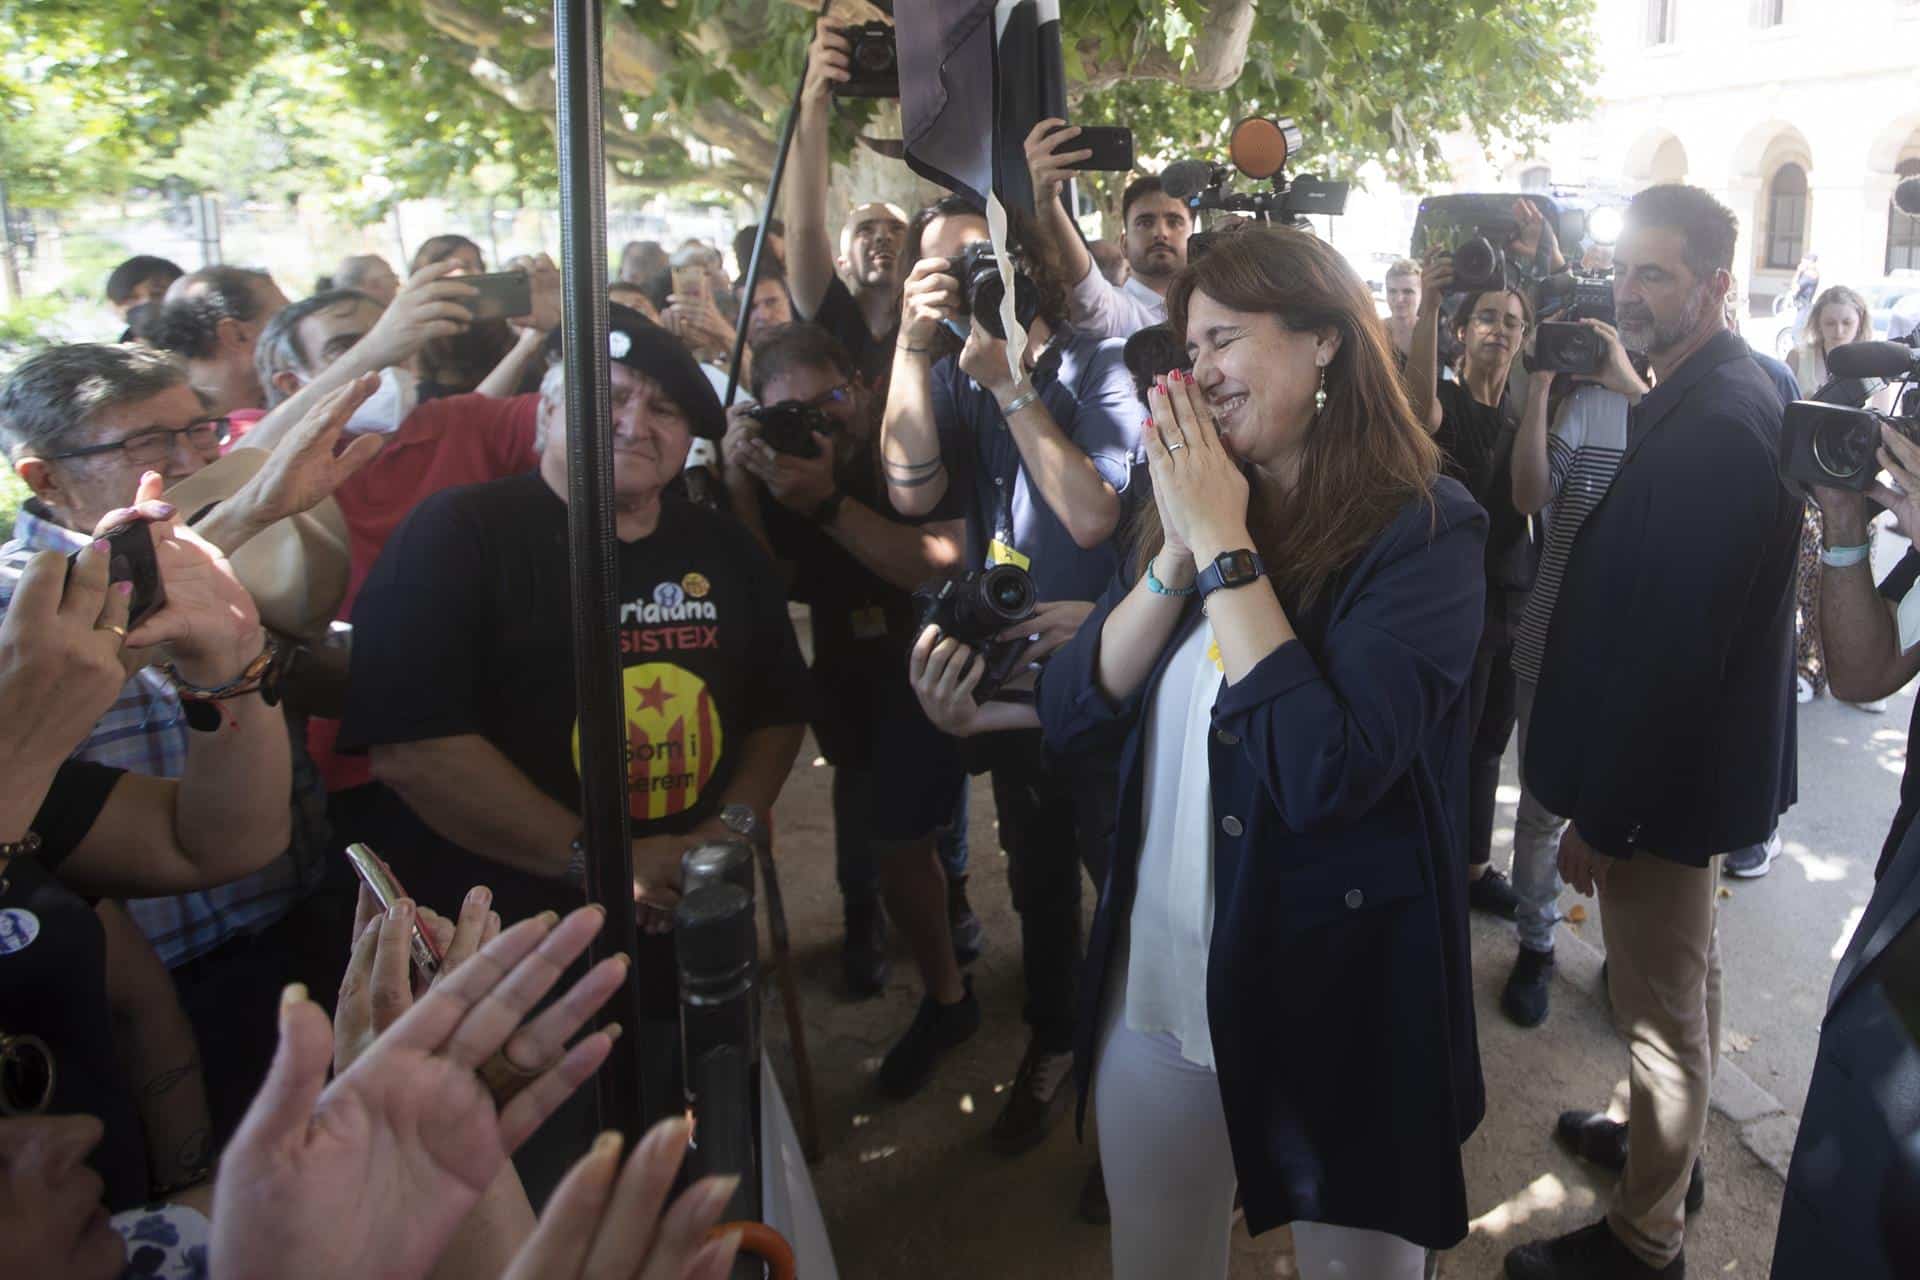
805 477
85 425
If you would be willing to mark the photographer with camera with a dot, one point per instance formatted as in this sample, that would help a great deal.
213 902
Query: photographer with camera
863 312
1663 724
804 469
1035 465
1280 664
1154 225
1474 421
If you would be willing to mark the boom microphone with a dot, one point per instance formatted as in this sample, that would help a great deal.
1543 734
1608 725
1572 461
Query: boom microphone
1873 360
1906 197
1184 178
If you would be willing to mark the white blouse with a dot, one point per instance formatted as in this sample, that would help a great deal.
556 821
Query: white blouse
1172 919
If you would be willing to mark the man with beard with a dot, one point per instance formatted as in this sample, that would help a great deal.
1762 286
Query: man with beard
1663 724
865 315
1155 226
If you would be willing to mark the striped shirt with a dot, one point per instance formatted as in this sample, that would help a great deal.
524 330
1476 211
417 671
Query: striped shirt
145 731
1583 453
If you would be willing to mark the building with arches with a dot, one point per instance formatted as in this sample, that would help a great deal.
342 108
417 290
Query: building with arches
1801 115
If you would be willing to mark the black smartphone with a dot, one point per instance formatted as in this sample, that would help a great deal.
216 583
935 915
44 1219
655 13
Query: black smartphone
500 295
1112 147
131 558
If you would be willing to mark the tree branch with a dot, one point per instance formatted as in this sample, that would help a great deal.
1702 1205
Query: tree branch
1219 53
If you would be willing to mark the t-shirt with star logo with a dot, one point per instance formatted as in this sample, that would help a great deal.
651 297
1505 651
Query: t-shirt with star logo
464 627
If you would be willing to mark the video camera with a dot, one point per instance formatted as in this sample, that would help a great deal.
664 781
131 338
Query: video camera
1833 439
976 607
1563 344
1259 148
788 427
981 289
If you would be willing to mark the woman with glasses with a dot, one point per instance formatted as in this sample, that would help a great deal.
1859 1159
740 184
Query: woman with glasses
1474 420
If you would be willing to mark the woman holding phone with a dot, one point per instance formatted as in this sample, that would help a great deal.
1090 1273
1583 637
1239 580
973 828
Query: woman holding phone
1278 986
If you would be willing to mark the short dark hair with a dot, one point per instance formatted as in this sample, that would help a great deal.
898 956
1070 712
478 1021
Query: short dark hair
136 271
796 346
441 247
1138 189
279 347
1708 229
191 325
743 240
56 391
1040 268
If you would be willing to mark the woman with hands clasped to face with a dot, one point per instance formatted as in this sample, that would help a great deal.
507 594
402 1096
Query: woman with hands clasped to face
1280 670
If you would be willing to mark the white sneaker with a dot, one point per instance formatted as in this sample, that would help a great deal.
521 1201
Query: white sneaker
1877 707
1804 691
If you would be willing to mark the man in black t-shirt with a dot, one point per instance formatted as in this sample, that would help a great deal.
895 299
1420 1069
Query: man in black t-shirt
854 560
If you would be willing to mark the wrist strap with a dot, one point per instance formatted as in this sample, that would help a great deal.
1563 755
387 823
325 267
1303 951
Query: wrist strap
908 346
1021 401
1160 588
1844 557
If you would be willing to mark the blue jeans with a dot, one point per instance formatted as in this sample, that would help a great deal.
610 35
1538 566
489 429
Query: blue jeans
853 862
1536 848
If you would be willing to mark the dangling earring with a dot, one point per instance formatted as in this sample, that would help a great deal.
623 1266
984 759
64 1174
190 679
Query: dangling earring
1320 396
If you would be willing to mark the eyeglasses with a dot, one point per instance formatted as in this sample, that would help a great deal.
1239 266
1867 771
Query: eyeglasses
155 444
1496 320
832 395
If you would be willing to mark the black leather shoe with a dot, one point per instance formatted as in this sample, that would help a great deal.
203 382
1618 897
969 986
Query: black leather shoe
1038 1094
936 1028
969 935
1493 893
1525 999
1591 1253
863 955
1598 1139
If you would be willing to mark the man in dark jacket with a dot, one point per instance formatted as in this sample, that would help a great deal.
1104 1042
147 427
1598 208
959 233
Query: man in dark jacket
1663 726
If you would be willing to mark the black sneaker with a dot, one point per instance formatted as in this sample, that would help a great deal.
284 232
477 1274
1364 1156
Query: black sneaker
1034 1101
1493 893
1599 1139
1093 1208
1525 999
1591 1253
863 955
969 935
936 1028
1753 861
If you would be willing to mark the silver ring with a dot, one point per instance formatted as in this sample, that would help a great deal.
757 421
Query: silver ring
1172 447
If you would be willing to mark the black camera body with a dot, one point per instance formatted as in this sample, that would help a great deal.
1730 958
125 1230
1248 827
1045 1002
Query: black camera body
1834 445
788 427
981 289
874 63
1566 346
976 607
1479 265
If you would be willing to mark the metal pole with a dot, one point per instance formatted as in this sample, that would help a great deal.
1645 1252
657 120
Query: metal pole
760 233
590 536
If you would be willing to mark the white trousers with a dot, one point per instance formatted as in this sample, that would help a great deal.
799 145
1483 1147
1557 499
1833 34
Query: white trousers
1170 1179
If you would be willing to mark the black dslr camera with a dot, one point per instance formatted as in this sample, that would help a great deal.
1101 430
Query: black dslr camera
1562 344
874 64
976 607
981 290
788 427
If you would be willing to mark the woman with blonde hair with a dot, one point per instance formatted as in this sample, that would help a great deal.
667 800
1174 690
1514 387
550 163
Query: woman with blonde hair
1838 316
1277 992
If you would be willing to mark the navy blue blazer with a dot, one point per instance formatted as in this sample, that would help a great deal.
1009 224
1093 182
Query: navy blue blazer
1664 719
1338 986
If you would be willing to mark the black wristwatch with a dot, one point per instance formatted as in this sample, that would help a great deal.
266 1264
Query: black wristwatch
1230 569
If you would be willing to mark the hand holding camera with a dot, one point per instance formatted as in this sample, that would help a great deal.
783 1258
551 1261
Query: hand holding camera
60 654
929 299
433 303
799 482
827 64
1436 281
1612 369
1050 161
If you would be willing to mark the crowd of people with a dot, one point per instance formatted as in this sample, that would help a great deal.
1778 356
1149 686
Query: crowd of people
293 576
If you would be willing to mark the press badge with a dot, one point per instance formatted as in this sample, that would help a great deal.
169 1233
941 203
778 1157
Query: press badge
999 553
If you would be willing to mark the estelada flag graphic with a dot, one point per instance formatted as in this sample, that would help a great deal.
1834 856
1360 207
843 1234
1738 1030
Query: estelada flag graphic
975 77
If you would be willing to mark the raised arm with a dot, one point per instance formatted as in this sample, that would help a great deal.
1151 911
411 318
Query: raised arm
1049 153
1532 472
530 330
1423 361
909 437
810 255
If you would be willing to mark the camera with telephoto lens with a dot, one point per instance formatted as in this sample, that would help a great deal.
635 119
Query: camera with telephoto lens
981 289
788 427
976 607
1563 344
1260 148
1833 440
873 64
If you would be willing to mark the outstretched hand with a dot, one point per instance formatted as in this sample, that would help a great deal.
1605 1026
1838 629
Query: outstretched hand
303 469
370 1175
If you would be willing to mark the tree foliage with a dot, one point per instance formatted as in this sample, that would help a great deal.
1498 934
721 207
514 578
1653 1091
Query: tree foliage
423 91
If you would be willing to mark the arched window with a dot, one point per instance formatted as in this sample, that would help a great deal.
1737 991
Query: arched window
1536 179
1786 216
1903 229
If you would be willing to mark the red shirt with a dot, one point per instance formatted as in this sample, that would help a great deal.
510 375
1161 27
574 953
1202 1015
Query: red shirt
446 442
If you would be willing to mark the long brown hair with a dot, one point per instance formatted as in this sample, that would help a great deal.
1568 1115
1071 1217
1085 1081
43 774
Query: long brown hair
1365 456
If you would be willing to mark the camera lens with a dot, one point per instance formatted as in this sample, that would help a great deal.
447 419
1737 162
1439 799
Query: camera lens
1008 592
1845 448
26 1075
1473 260
873 55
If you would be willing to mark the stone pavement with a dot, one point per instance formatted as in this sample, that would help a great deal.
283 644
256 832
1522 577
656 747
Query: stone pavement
912 1190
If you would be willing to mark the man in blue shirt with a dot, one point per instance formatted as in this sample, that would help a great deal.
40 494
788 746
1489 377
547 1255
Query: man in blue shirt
1034 458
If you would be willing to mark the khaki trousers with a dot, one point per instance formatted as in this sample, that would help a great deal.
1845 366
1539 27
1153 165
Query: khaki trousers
1663 975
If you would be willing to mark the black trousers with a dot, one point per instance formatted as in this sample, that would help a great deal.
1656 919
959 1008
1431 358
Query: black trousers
1053 821
1494 714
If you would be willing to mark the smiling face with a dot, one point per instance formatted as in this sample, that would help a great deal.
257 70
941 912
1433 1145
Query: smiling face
651 436
1259 377
1157 229
50 1211
80 491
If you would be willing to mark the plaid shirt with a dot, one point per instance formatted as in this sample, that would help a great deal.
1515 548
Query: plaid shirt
146 732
